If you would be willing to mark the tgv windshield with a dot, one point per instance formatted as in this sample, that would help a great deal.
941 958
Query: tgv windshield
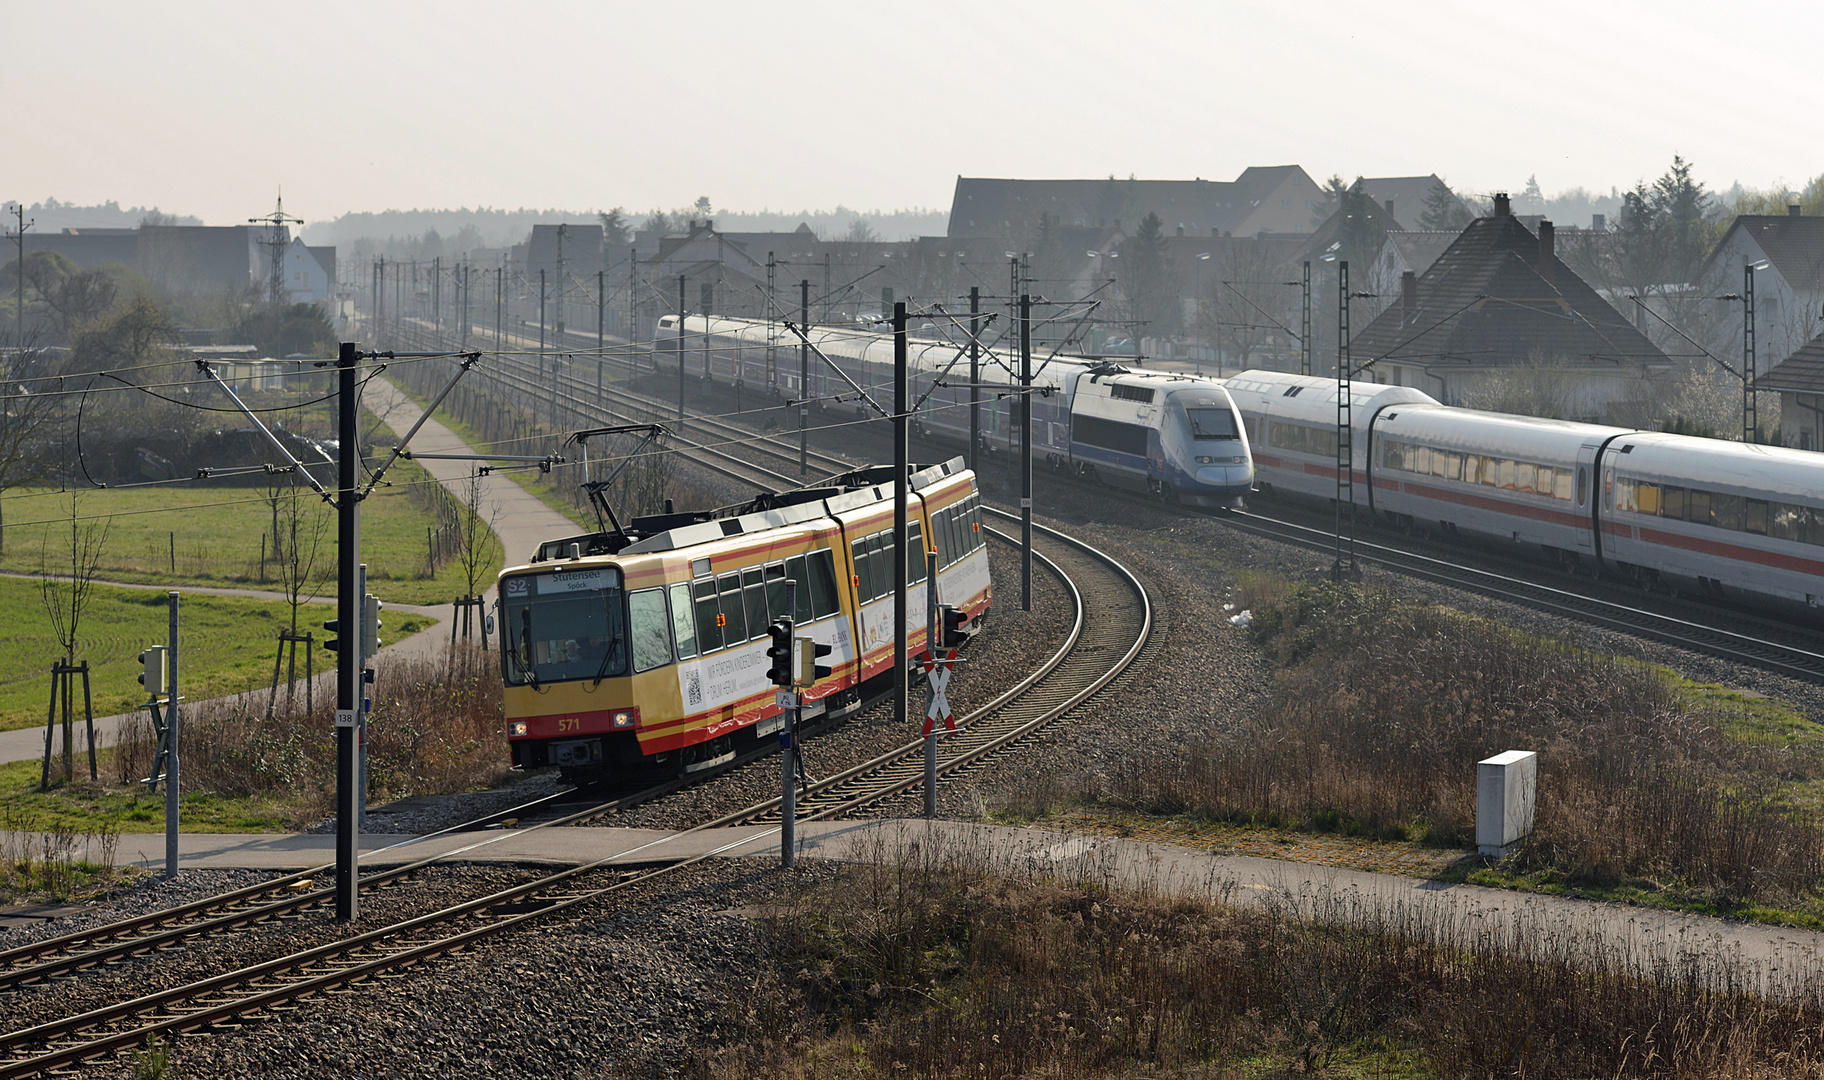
564 625
1209 423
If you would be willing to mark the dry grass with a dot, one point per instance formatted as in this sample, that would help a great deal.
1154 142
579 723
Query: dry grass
1382 708
57 865
952 964
436 727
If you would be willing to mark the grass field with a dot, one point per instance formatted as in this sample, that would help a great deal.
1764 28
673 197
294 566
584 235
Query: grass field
212 535
228 645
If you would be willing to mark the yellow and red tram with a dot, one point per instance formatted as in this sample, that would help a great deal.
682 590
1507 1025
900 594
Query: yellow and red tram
647 646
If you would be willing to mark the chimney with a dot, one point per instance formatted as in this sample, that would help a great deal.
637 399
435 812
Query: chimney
1181 230
1409 296
1548 252
1501 204
1599 223
1390 213
1792 209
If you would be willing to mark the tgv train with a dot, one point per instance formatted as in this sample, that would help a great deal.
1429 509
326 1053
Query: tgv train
1723 518
1173 435
648 646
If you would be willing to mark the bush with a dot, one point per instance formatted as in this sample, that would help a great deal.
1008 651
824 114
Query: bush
1383 707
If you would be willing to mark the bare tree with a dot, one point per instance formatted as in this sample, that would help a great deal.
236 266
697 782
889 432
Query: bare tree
22 413
298 528
477 547
64 598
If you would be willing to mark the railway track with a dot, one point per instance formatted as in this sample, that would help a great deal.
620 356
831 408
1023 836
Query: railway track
1789 654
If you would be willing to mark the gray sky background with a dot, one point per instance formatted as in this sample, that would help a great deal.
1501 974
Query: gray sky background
208 106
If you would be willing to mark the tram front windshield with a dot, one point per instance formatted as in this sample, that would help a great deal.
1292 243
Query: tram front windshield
563 625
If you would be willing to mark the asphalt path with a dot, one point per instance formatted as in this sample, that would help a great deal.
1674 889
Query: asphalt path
518 518
1652 943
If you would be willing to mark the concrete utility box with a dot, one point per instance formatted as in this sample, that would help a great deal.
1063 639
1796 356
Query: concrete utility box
1506 787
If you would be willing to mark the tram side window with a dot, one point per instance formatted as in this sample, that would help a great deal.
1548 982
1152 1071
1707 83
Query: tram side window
753 593
823 584
915 552
940 536
709 616
683 622
775 591
734 613
651 629
863 551
797 570
881 564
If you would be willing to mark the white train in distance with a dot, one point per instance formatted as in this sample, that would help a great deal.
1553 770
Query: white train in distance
1175 436
1726 519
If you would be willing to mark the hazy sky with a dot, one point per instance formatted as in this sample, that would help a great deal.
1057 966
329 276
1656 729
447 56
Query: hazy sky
206 107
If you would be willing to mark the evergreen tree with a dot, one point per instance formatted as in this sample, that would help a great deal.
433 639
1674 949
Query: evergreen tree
1444 212
615 232
1148 284
1334 190
1531 200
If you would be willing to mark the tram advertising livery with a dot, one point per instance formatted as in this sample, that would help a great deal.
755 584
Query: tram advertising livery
646 646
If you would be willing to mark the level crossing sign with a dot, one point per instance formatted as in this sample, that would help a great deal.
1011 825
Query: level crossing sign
937 675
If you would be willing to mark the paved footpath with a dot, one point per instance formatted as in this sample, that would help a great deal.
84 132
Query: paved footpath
1763 957
519 519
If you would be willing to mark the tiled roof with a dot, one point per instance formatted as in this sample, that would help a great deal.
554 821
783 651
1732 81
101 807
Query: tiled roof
1484 302
1802 372
1794 245
1419 249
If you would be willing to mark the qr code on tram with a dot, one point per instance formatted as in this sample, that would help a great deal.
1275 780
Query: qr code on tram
693 689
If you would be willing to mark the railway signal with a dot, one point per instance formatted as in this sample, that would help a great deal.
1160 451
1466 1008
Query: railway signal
370 625
334 626
153 678
952 619
809 670
780 653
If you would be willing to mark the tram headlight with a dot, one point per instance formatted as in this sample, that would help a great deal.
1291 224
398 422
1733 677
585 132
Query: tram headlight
518 729
626 718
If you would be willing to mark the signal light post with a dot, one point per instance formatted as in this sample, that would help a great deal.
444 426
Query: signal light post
780 674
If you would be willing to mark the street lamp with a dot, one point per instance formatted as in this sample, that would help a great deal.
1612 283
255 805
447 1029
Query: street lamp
1203 257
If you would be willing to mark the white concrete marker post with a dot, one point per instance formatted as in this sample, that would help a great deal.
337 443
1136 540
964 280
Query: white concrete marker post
1506 790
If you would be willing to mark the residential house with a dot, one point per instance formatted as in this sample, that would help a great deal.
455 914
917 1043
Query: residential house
1799 381
1788 251
1500 300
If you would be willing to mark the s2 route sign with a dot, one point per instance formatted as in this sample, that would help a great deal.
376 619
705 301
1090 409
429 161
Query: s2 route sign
938 674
